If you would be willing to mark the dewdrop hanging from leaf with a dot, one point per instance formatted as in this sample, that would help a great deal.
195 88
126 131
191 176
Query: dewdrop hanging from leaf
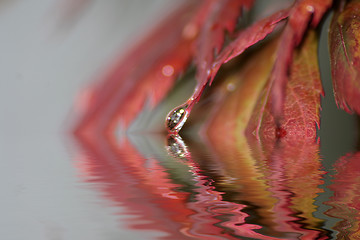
177 117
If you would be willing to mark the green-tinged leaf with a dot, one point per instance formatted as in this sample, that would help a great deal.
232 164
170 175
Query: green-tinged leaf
344 44
240 92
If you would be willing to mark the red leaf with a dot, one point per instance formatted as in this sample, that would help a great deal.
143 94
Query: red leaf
250 36
238 94
302 14
147 72
213 20
218 17
244 40
344 43
302 102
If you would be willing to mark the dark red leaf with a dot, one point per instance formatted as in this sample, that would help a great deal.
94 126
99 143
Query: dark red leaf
344 44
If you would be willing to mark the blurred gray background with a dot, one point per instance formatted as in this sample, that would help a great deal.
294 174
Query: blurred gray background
48 52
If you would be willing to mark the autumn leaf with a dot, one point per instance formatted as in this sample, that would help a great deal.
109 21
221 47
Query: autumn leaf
219 18
197 31
239 93
245 39
302 103
300 16
250 36
303 14
344 42
214 20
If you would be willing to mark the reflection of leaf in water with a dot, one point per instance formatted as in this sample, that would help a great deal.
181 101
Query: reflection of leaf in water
295 181
139 184
345 202
215 216
151 188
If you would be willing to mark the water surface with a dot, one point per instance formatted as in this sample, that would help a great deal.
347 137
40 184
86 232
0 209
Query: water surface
200 189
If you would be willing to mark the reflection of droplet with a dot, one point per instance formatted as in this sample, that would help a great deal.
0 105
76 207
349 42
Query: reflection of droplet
176 118
176 147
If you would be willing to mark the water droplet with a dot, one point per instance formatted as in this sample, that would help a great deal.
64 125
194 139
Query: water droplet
176 118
